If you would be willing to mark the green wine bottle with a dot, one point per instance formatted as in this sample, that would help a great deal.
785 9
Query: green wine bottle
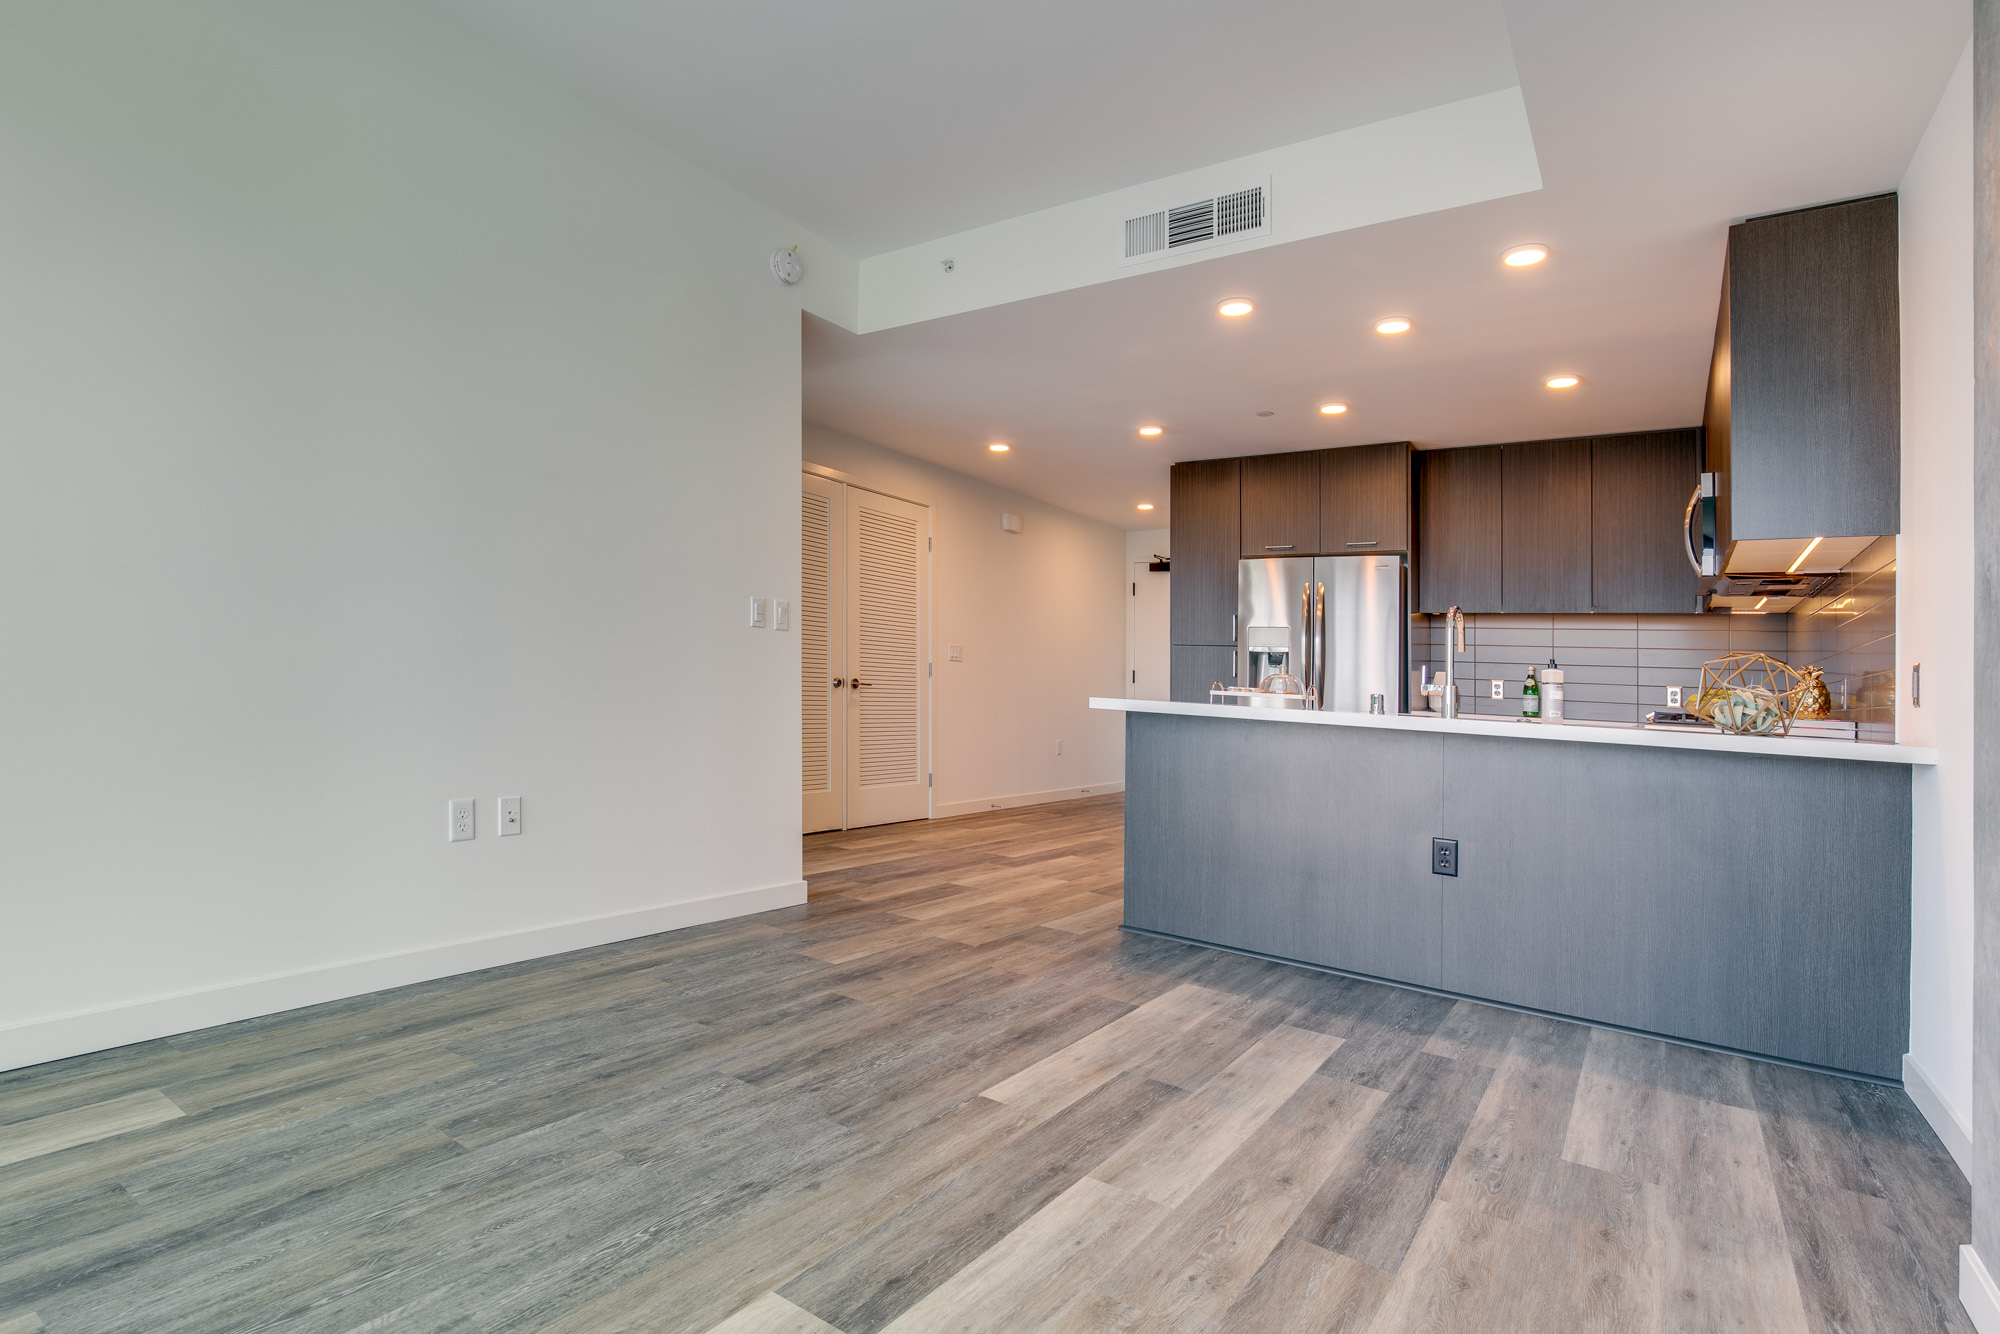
1531 697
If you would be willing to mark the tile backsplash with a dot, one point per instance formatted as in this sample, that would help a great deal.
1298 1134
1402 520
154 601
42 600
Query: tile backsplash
1618 668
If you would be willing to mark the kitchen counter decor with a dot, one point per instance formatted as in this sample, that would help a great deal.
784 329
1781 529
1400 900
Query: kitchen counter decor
1810 697
1749 694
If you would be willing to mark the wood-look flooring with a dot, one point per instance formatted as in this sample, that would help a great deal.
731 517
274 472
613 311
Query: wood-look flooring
949 1095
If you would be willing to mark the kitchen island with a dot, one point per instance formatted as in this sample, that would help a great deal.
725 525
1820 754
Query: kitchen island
1747 893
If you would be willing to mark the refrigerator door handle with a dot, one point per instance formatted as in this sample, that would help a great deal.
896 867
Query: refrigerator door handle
1319 654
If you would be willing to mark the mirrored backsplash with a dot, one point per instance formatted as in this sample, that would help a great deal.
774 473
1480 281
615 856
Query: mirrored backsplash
1618 668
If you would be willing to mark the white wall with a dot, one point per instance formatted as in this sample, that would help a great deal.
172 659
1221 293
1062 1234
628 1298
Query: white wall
1148 640
1935 598
1041 616
378 426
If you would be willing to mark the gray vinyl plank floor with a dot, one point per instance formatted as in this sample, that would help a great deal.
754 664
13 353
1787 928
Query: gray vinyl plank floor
948 1094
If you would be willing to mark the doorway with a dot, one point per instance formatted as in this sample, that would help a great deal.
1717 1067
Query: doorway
1149 665
864 661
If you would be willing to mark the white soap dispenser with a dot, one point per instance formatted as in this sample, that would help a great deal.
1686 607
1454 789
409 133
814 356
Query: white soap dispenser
1552 693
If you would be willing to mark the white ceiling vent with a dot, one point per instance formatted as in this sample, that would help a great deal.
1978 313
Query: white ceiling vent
1198 223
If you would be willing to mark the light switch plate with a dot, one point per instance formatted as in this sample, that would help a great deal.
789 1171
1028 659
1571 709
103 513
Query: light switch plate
510 816
781 614
756 613
460 821
1673 697
954 653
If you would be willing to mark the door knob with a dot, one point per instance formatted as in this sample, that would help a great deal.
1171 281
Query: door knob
857 683
838 683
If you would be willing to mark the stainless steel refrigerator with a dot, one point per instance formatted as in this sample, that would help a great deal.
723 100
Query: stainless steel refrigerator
1340 624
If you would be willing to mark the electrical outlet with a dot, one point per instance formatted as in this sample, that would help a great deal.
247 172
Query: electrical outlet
756 613
1444 856
510 816
1673 697
1499 688
460 823
781 614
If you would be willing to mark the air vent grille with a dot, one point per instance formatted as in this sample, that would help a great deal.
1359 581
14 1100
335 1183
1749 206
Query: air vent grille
1198 223
1145 235
1240 212
1190 223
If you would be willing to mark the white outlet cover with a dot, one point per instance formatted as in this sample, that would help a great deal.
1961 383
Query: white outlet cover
1499 688
1673 697
756 613
781 614
461 819
510 816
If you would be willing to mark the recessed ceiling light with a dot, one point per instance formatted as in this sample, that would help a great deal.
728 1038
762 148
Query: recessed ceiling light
1333 409
1395 324
1237 305
998 449
1145 507
1564 382
1149 430
1521 256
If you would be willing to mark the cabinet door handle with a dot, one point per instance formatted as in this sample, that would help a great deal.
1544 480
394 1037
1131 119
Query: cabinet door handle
1285 547
1363 544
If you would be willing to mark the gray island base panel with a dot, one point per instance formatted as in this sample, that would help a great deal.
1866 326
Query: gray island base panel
1759 903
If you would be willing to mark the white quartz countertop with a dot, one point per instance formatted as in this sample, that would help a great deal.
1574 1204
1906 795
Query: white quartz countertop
1601 734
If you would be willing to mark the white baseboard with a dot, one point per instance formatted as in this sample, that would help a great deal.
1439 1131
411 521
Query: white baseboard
1977 1293
1944 1118
51 1039
944 810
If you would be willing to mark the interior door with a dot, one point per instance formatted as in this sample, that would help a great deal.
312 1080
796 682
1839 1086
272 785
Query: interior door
886 602
1148 633
822 659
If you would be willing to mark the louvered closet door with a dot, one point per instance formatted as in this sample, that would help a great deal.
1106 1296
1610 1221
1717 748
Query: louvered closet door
822 663
887 596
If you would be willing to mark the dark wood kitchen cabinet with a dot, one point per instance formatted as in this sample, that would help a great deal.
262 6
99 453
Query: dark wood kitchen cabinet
1193 668
1805 392
1545 526
1207 542
1364 499
1281 505
1639 489
1458 526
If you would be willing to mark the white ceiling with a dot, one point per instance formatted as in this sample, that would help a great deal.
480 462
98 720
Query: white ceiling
1656 126
881 123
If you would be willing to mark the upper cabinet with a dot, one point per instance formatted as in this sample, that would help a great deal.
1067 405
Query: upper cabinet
1558 526
1207 541
1458 526
1338 502
1639 489
1280 505
1364 499
1545 526
1805 407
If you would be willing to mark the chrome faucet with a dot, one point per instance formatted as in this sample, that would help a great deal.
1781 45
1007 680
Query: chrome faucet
1447 686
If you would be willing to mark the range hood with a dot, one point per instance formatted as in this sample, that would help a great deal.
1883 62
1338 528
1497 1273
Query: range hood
1762 574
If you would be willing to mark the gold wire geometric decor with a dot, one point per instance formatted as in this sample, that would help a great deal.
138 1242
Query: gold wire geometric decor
1752 694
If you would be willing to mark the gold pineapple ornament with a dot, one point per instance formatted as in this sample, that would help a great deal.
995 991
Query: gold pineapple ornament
1810 697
